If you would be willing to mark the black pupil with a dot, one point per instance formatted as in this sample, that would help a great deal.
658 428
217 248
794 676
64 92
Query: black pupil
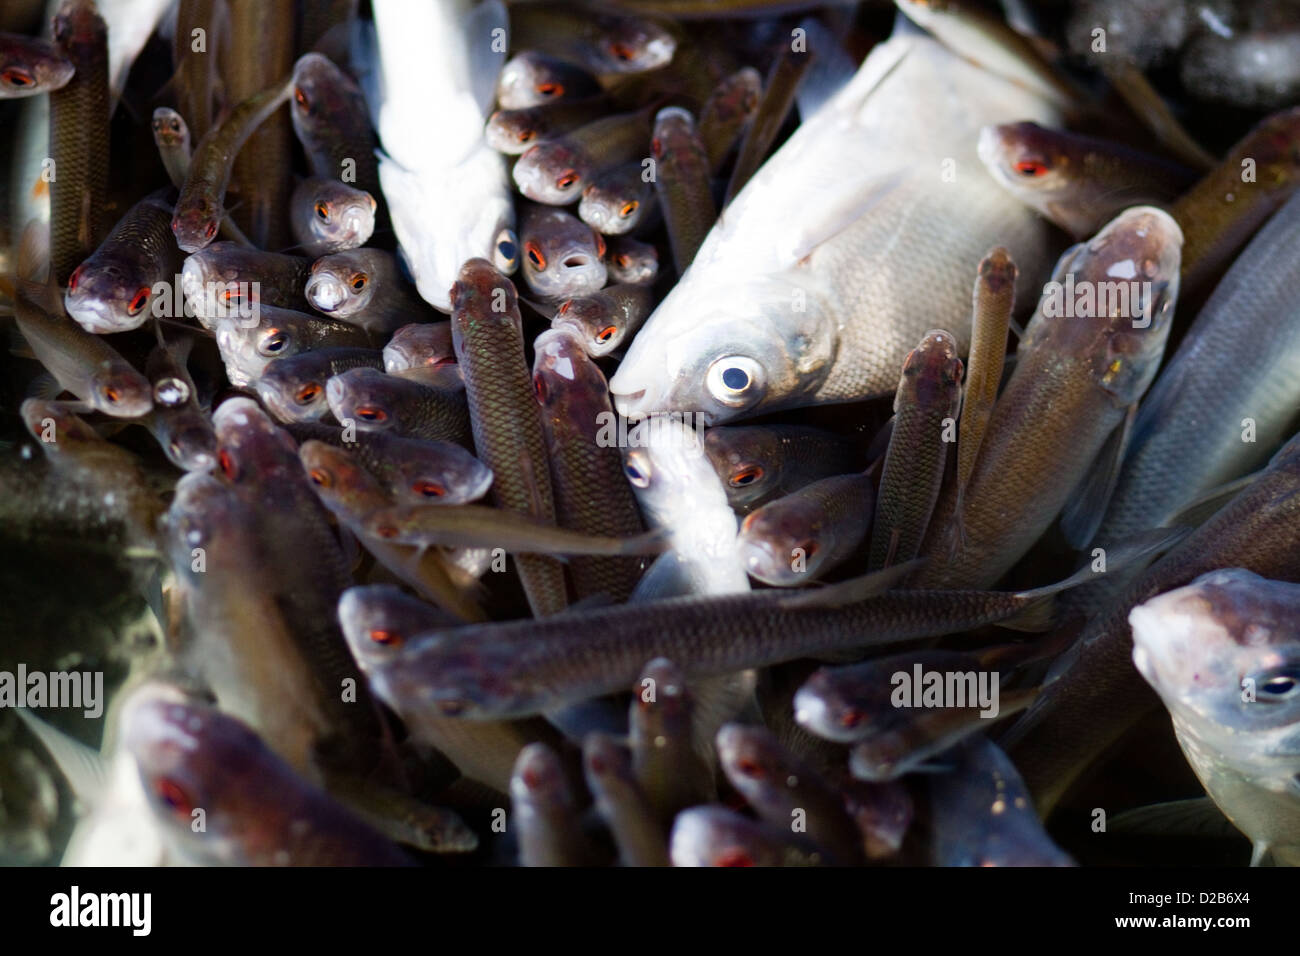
274 345
1280 685
745 478
507 250
735 378
633 473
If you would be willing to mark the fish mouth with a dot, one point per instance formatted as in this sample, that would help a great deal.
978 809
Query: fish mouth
95 315
325 293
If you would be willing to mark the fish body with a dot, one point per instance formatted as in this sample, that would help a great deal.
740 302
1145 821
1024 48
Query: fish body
391 403
760 462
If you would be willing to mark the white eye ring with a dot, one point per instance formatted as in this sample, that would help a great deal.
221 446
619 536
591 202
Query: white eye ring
735 380
637 469
505 251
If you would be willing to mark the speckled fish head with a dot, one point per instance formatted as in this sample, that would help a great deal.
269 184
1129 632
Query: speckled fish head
615 203
331 216
106 296
320 91
773 536
437 472
553 172
246 348
366 396
1224 655
170 130
251 448
932 372
481 295
293 388
202 515
741 353
565 378
596 320
341 483
29 66
1111 301
419 345
341 283
562 255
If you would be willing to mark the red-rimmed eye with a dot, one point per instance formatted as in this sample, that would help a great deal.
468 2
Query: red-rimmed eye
1031 168
172 795
429 489
600 245
623 261
387 638
852 717
386 531
527 135
112 394
358 282
320 478
745 476
211 230
323 211
137 303
656 148
227 464
74 278
18 78
300 98
371 414
566 179
628 208
550 89
307 393
534 253
539 388
749 768
564 308
733 857
607 333
622 52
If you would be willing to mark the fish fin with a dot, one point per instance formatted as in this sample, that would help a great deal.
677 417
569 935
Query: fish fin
1147 105
485 61
596 714
1197 817
650 542
666 578
1258 853
1083 514
1203 508
828 73
84 767
1128 554
853 590
32 262
45 387
821 225
543 309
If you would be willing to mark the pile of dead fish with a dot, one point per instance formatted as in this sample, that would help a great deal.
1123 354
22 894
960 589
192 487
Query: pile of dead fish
659 432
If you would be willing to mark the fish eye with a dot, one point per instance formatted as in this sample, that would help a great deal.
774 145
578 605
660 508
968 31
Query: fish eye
75 278
527 135
1031 168
507 252
852 717
307 393
300 98
379 635
657 148
386 531
111 394
539 388
320 478
359 282
452 708
749 768
323 211
623 261
176 126
637 473
622 52
172 795
534 253
1278 685
566 179
211 230
137 303
550 89
227 464
273 342
745 476
607 333
734 380
174 447
564 307
18 78
429 489
629 207
370 413
733 857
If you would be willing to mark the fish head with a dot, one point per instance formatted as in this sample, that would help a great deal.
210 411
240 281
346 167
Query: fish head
726 355
670 703
251 448
752 759
562 256
344 486
119 390
531 79
566 380
513 131
32 67
782 533
1111 301
204 514
246 349
193 446
747 459
596 321
717 837
366 396
169 128
331 216
633 45
455 677
553 172
293 388
932 372
419 345
437 472
1223 653
632 261
196 220
55 426
538 778
842 703
481 295
1020 157
105 297
378 620
340 284
665 463
78 29
320 92
614 205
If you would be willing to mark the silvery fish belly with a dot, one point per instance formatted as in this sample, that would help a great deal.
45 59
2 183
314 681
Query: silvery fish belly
432 73
860 234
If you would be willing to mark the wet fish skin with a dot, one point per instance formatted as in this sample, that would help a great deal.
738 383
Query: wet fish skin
329 216
1198 646
30 66
247 347
197 73
544 811
618 200
1093 694
532 79
607 768
592 494
726 341
1079 182
217 279
82 363
667 767
682 182
782 790
925 414
512 131
487 332
727 113
601 43
604 320
631 261
377 621
200 207
1075 380
800 537
79 141
294 387
411 471
563 256
178 422
982 814
365 287
419 345
557 171
258 810
379 402
332 123
112 291
171 134
760 462
716 836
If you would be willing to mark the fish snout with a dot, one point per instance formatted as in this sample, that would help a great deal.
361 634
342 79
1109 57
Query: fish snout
326 293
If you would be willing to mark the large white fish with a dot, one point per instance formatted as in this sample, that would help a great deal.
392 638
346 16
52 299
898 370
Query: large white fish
428 71
1224 656
861 233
